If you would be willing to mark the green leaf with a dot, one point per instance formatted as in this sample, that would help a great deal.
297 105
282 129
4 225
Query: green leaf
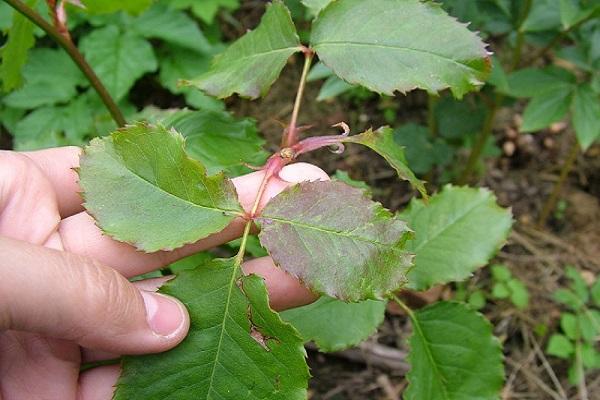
126 176
206 10
118 58
315 6
237 347
111 6
590 356
568 298
6 15
500 291
343 176
192 262
50 77
382 142
578 284
219 141
569 325
569 12
332 88
457 120
422 153
595 292
458 232
336 240
560 346
477 300
453 355
501 273
334 325
589 324
534 82
519 295
14 52
53 126
399 45
586 116
252 63
179 63
544 16
542 111
172 26
498 76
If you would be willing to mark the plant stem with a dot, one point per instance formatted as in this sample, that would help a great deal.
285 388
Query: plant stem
291 136
270 170
518 51
432 101
581 386
550 204
404 307
482 140
488 125
558 37
75 55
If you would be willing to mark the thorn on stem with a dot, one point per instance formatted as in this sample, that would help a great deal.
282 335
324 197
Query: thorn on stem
344 126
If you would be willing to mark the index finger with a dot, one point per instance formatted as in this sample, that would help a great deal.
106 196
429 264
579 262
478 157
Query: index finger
58 165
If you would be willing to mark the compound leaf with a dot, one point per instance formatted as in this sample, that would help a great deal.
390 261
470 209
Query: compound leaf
382 142
50 77
542 111
453 355
399 45
334 325
237 347
119 58
458 232
586 116
336 240
219 141
252 63
14 51
143 189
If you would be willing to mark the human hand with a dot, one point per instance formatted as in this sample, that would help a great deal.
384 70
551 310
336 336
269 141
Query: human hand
64 296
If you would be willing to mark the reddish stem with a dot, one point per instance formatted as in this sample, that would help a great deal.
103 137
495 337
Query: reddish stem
290 136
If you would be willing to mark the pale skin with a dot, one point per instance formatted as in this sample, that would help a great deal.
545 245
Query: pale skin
64 296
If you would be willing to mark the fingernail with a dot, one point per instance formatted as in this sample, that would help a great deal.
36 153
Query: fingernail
165 316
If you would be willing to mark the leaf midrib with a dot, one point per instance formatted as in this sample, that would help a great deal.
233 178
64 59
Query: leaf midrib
329 231
213 209
450 224
244 59
429 354
394 47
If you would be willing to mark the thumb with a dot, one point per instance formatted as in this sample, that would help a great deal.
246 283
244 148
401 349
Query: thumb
65 296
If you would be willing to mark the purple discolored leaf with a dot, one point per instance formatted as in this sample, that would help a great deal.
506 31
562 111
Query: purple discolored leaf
336 240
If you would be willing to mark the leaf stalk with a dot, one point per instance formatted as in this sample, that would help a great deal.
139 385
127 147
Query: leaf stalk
550 204
482 139
290 136
65 42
